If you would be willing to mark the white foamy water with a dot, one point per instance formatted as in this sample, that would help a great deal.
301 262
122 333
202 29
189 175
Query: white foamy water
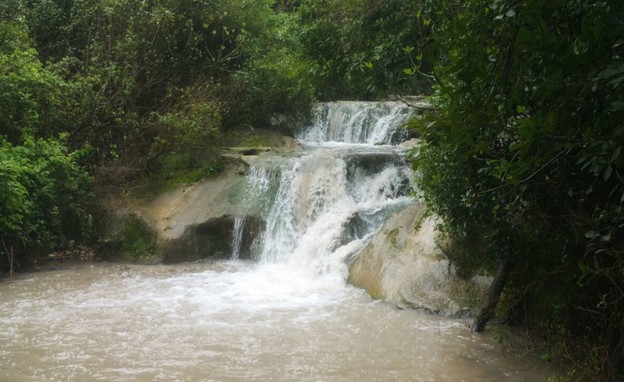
237 237
319 196
287 316
358 122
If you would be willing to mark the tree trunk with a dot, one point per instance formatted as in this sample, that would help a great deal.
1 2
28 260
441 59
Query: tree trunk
493 294
10 256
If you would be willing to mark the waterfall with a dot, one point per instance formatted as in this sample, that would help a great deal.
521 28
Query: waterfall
237 237
321 205
358 122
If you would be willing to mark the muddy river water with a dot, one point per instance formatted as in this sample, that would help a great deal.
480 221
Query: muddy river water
232 321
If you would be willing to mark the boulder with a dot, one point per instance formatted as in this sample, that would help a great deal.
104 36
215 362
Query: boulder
403 265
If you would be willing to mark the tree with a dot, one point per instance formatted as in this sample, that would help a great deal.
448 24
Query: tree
364 49
127 64
524 159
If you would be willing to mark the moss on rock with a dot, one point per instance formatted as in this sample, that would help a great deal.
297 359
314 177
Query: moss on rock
132 240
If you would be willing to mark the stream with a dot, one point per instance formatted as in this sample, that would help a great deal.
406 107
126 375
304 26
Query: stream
285 315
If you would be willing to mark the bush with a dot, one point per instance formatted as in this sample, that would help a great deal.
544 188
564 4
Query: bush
274 91
43 198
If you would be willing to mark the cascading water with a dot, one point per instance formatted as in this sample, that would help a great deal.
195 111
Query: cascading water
324 194
338 191
289 315
358 122
239 224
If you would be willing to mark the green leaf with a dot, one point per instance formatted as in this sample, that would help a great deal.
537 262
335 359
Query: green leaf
611 71
616 154
591 234
607 173
616 81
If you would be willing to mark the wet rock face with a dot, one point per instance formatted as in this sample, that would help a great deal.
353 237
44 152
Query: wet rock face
403 264
208 240
197 220
193 221
251 241
212 239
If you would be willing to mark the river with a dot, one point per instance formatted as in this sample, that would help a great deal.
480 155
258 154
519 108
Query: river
286 315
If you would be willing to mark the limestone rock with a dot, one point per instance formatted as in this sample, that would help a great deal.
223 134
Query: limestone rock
402 264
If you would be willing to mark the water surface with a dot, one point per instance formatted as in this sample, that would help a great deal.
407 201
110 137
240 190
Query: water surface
231 321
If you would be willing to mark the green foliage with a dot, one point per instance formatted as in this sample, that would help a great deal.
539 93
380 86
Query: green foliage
191 127
134 240
365 49
524 161
43 197
44 191
128 63
30 95
274 91
175 169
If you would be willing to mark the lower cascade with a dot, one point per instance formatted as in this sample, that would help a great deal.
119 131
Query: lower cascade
326 203
288 314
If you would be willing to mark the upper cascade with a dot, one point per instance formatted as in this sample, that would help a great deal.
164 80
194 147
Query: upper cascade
374 123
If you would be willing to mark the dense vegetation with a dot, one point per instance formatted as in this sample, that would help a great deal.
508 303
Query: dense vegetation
522 159
524 162
365 49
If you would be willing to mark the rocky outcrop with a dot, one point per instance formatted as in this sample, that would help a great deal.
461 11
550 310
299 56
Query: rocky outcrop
192 222
197 221
211 239
402 264
171 213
